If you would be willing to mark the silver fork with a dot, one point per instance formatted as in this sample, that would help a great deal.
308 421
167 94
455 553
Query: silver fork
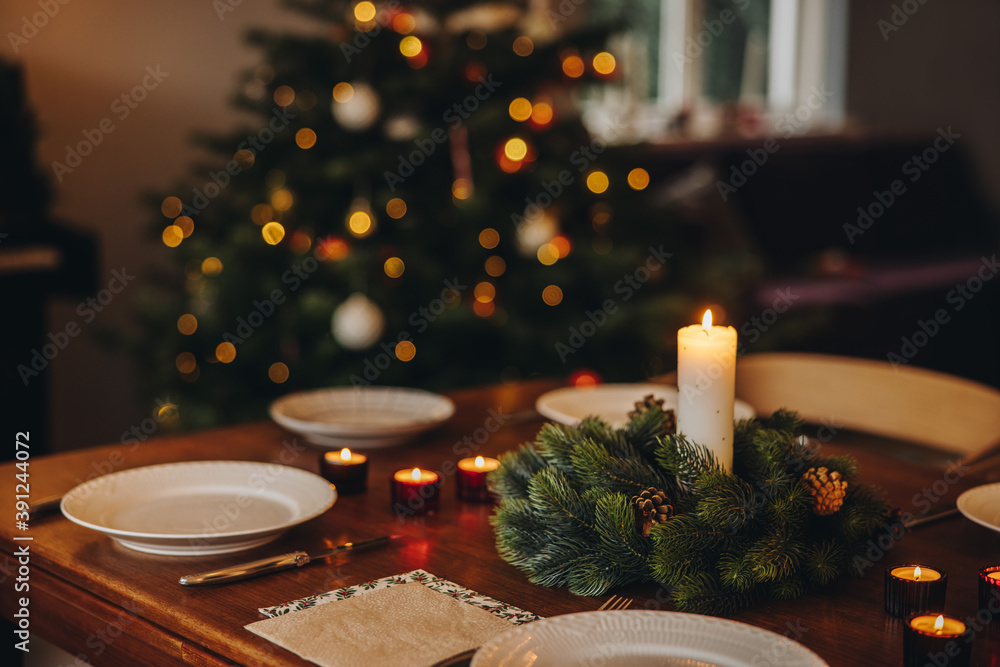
615 602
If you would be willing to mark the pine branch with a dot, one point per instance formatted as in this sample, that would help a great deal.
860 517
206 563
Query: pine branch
644 429
726 501
557 503
628 474
775 556
517 467
823 562
685 460
702 594
682 547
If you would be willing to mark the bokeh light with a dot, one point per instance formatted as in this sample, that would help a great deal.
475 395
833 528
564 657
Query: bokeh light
282 199
262 214
405 350
277 372
485 291
225 352
360 223
211 266
548 254
244 158
604 63
332 248
562 245
283 96
483 308
541 114
572 66
523 46
273 232
172 236
410 46
305 138
495 266
186 224
461 188
552 295
394 267
597 182
520 109
404 23
187 324
343 92
638 178
171 207
364 11
185 362
476 40
515 149
395 208
489 238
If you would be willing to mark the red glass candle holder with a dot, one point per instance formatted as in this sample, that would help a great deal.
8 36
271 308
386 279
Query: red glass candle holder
936 639
347 470
470 479
415 491
989 592
910 589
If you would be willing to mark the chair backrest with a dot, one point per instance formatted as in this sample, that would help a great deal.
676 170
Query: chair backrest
906 403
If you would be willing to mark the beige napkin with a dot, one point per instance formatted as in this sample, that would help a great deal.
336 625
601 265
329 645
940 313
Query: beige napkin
408 624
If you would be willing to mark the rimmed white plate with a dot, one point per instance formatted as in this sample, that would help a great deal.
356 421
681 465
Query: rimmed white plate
982 505
641 639
612 402
198 508
361 417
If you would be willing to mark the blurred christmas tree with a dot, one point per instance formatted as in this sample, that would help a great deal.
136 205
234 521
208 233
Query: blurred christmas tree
420 205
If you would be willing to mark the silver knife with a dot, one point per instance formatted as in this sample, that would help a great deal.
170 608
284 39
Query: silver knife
275 563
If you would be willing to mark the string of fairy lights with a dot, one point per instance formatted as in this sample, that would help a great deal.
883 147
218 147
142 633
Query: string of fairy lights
514 154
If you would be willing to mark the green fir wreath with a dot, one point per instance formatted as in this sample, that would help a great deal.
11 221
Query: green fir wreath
572 511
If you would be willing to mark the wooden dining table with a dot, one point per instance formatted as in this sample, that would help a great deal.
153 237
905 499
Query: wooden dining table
110 605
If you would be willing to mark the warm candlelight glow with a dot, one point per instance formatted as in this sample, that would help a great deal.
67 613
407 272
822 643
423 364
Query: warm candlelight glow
994 575
345 454
479 462
939 623
415 474
916 574
706 321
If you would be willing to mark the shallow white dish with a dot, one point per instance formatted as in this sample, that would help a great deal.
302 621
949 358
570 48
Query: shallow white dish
612 402
199 508
982 505
641 639
361 417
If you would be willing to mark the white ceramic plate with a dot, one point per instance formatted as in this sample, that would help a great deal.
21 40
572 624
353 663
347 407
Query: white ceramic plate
982 505
199 508
361 417
611 402
641 639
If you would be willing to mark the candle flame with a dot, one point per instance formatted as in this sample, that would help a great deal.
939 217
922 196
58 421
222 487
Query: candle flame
416 473
345 454
939 623
480 462
706 321
916 573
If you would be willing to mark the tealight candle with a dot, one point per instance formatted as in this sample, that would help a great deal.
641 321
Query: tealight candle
347 470
471 478
415 491
929 638
706 383
989 591
912 589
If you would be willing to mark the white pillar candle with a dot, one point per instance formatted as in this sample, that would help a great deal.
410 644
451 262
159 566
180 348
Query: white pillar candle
706 380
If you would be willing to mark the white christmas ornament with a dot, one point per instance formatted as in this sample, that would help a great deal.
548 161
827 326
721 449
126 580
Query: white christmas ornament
360 111
357 323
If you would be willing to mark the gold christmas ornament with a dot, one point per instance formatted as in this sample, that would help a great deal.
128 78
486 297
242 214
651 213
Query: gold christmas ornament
827 489
651 507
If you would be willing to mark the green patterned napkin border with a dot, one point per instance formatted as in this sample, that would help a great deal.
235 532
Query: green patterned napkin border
502 610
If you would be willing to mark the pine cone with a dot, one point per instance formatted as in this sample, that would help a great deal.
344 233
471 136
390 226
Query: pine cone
827 489
649 403
651 507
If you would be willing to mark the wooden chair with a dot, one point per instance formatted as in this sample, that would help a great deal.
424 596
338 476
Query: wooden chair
905 403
